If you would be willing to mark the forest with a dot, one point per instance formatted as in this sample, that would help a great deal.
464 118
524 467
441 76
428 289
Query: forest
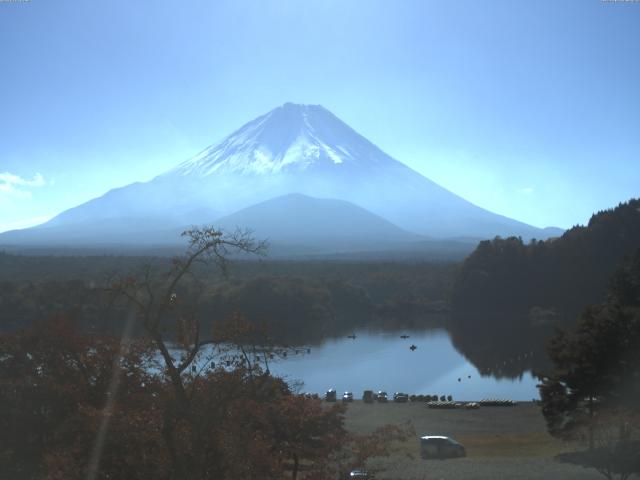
509 296
80 404
331 298
592 393
78 329
500 305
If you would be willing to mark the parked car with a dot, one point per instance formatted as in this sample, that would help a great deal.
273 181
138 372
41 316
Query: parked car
367 396
359 474
433 446
382 397
496 402
444 405
330 396
347 397
400 397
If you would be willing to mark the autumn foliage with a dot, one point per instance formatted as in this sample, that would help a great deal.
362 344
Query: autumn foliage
149 404
54 386
77 406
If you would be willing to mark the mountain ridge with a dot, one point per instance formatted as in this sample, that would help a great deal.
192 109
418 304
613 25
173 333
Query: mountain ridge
300 218
295 148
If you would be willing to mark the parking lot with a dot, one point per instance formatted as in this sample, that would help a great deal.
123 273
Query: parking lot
500 442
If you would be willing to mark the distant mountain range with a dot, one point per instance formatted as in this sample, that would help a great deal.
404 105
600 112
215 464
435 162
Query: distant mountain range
298 175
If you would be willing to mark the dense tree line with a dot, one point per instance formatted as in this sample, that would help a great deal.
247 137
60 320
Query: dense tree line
384 281
303 302
593 392
509 296
296 310
156 405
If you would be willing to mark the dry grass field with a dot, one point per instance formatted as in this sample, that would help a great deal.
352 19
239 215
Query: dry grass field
501 443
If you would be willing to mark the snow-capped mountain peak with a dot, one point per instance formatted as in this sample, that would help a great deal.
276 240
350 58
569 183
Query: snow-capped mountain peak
293 149
289 138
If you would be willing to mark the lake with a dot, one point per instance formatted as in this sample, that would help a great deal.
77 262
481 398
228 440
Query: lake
384 361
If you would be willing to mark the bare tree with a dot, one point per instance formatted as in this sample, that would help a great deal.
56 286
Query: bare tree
172 323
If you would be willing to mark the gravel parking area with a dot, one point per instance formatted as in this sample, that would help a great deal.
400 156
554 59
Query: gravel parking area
481 469
501 442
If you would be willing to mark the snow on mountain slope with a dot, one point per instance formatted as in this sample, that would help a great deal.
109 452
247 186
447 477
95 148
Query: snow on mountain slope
301 149
306 149
287 139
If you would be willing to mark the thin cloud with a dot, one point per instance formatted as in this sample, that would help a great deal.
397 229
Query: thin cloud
18 187
526 190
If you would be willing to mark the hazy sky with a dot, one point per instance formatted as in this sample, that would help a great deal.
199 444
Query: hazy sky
529 109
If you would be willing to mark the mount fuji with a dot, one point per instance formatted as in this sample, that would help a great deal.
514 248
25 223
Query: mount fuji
293 149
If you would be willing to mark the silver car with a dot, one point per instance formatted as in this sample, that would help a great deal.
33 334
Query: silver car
359 474
382 397
436 446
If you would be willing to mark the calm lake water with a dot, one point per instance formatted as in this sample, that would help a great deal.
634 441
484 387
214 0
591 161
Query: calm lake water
383 361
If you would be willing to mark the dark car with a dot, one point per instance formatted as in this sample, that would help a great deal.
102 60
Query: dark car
347 397
368 396
435 446
330 396
400 397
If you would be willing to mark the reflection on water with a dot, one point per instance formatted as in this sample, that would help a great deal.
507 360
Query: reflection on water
384 361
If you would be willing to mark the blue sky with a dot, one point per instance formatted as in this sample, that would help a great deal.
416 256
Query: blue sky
530 109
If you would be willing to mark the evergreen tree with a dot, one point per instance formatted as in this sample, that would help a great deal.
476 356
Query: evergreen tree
593 393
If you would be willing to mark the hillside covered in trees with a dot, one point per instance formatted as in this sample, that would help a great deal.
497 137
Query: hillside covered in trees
509 296
299 302
76 405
